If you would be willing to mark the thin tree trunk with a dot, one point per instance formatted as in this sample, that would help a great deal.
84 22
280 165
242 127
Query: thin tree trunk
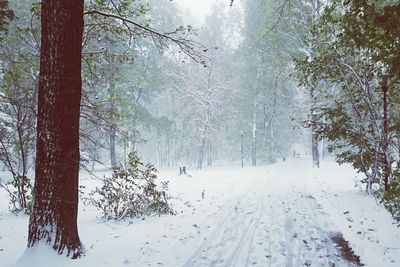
314 134
25 156
126 153
254 132
203 144
113 111
159 151
22 167
132 144
201 154
322 149
398 151
55 208
386 167
209 161
168 152
113 154
315 152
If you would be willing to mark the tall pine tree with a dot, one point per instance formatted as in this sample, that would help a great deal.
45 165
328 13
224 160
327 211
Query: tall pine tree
55 208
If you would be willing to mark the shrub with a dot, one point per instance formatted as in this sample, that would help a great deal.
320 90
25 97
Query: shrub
391 200
19 190
131 192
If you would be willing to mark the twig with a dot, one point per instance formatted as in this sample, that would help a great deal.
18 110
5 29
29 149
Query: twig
189 47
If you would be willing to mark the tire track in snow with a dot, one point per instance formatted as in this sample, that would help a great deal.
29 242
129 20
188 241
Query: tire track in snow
226 242
247 237
270 225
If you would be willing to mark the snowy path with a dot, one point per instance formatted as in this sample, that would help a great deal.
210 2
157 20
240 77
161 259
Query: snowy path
273 224
279 215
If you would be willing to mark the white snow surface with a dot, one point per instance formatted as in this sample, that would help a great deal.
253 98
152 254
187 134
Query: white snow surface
277 215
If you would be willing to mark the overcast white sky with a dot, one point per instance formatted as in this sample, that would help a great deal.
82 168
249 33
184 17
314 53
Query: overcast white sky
197 8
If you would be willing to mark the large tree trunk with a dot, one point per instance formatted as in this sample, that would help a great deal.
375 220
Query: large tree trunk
55 208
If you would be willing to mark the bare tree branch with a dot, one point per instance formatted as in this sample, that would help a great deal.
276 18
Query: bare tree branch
190 48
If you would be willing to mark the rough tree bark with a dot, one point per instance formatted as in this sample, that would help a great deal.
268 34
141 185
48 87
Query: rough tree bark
55 208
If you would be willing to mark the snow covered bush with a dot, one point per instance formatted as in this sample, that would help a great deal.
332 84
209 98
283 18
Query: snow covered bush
17 135
391 199
19 191
131 192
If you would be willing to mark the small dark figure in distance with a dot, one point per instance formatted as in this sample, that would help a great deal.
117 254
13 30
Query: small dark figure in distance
182 169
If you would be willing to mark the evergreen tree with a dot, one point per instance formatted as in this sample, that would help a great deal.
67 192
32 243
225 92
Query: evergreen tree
55 207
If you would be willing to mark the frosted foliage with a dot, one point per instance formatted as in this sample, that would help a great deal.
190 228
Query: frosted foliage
131 192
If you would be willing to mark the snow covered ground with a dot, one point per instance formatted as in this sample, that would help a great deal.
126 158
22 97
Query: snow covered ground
287 214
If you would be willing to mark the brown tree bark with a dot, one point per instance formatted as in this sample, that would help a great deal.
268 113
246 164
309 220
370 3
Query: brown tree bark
55 208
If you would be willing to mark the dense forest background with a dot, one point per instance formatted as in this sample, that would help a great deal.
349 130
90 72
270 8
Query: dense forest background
253 81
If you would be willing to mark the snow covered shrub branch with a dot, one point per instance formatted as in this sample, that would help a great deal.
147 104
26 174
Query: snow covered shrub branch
16 151
131 192
354 56
391 199
19 191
